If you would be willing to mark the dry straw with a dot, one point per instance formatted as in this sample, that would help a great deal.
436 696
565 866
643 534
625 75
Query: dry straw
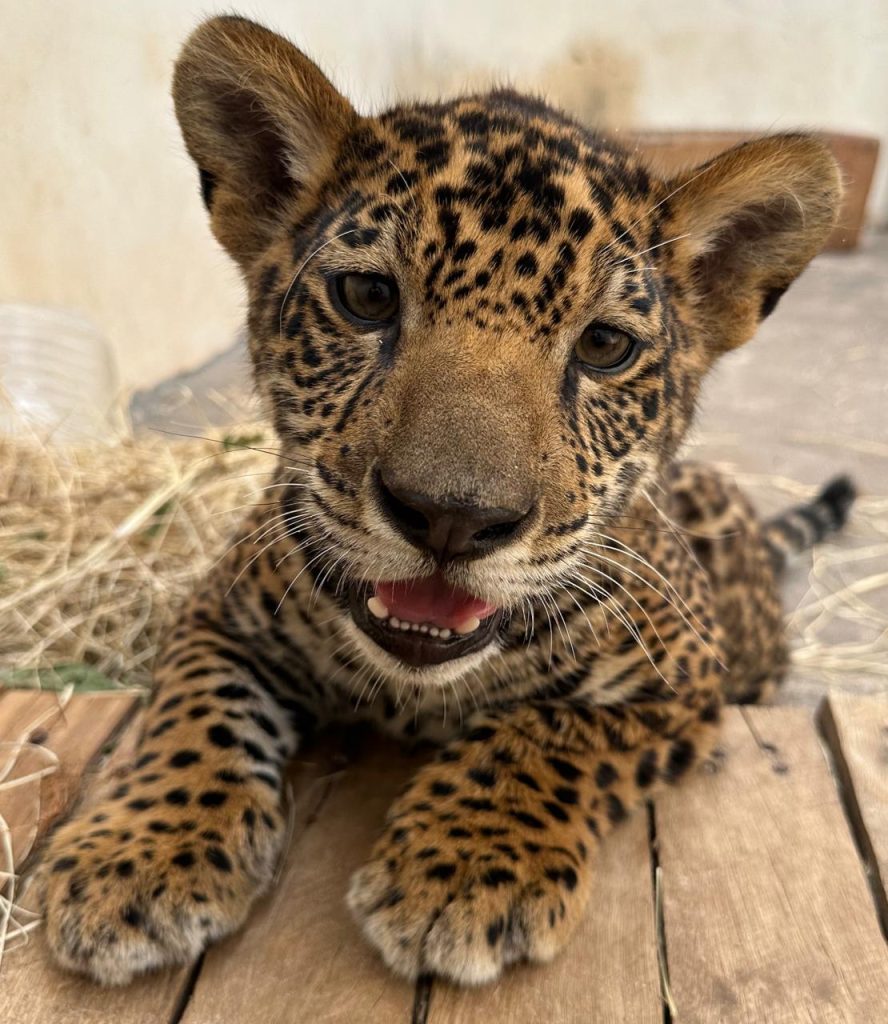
99 545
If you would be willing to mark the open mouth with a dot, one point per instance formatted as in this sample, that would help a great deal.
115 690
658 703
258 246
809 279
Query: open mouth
424 622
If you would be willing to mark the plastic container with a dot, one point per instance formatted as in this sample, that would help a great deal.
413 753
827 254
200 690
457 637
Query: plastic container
58 376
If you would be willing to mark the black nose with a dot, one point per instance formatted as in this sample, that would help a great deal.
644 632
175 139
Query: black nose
449 529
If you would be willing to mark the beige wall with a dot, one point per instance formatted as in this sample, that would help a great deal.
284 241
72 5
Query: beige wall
98 205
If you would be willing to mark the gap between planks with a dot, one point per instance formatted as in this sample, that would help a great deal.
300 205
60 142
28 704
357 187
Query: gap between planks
855 732
767 909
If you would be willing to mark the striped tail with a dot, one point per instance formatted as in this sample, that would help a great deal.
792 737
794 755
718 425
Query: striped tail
799 528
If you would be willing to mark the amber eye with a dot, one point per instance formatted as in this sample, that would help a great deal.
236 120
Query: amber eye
605 349
370 298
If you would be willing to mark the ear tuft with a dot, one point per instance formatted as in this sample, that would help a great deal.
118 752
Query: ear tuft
753 218
261 122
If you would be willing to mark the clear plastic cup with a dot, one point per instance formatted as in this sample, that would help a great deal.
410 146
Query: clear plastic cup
58 376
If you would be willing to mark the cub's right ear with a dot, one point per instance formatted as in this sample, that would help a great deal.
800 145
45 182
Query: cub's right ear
261 122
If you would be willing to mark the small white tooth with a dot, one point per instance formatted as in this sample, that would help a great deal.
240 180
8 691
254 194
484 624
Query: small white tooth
405 626
444 634
433 631
414 626
469 626
423 628
394 623
377 608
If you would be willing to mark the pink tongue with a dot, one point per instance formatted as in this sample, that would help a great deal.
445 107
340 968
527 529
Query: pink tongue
431 600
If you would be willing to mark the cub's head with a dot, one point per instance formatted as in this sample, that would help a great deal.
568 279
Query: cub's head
479 327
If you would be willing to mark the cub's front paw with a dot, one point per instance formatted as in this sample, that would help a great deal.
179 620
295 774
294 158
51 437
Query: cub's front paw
472 885
128 892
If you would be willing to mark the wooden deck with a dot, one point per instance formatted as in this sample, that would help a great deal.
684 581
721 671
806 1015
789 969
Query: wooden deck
754 894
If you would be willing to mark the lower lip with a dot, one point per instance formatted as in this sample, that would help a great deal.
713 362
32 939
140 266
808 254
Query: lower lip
419 649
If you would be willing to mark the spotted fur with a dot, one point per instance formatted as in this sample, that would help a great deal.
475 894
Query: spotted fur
638 596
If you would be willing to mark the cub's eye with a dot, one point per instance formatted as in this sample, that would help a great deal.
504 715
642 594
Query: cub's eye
370 298
606 349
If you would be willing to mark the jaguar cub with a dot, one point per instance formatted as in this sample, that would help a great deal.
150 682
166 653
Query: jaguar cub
480 330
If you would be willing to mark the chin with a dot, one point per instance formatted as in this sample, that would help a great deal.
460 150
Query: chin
433 674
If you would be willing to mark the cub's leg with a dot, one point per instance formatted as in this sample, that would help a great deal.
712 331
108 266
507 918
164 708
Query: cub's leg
488 856
174 857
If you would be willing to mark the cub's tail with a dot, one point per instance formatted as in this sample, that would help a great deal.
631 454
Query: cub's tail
799 528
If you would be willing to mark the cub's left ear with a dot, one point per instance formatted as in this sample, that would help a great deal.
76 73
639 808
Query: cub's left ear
753 218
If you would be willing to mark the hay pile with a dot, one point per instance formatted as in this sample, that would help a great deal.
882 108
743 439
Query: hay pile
99 545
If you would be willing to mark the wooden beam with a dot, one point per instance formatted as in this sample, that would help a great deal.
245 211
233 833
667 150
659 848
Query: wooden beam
767 912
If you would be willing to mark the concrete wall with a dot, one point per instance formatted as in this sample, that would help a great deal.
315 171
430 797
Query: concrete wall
98 205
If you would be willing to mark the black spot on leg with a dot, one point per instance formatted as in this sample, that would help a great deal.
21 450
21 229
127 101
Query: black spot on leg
495 877
569 772
646 770
132 916
218 858
476 804
483 777
616 812
495 930
178 797
184 758
64 864
566 794
530 820
184 859
232 691
141 804
125 868
212 798
556 811
605 775
441 788
255 751
441 872
680 757
221 736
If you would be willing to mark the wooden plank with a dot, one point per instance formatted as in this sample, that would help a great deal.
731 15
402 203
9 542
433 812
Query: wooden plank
301 957
767 913
607 974
32 989
856 731
34 725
